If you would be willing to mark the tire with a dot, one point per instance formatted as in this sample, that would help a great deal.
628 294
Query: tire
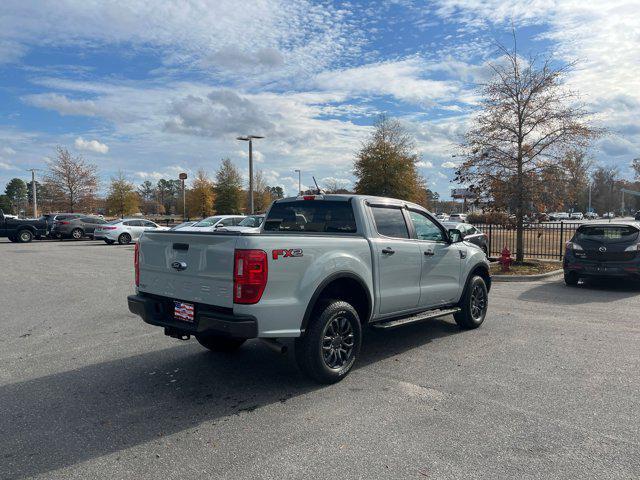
109 242
571 279
474 304
217 343
124 239
24 236
77 234
329 347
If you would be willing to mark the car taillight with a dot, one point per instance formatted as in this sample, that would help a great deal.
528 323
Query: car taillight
62 222
108 228
249 276
573 246
633 248
136 263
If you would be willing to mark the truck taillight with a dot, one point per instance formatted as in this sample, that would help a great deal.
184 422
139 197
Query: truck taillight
136 263
249 275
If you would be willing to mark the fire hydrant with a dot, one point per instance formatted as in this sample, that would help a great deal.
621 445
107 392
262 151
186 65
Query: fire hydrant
505 259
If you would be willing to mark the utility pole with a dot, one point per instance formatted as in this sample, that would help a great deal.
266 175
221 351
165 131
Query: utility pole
250 138
589 209
33 191
299 181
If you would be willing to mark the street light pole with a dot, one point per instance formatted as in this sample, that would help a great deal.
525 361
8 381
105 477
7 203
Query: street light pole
299 181
249 138
589 210
183 177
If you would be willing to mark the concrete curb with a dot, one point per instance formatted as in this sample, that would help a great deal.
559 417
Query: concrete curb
525 278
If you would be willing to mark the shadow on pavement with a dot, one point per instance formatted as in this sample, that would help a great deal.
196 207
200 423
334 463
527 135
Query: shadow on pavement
62 419
590 291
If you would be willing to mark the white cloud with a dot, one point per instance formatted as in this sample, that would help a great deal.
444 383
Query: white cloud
62 104
424 164
8 151
7 166
91 145
448 165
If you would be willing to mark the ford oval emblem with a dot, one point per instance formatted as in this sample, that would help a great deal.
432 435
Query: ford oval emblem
603 249
179 266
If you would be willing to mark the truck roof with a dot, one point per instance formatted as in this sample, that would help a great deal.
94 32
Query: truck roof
345 197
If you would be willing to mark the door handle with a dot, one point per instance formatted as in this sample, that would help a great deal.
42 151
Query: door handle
388 251
429 253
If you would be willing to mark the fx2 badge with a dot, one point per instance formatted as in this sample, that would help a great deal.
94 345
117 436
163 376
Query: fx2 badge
283 252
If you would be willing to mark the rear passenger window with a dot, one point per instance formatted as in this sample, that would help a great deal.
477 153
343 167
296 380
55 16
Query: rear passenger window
390 222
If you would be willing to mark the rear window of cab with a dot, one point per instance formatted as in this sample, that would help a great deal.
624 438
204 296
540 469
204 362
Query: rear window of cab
311 216
606 233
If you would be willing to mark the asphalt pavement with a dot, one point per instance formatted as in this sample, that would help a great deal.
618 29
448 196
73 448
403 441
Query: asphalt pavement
546 388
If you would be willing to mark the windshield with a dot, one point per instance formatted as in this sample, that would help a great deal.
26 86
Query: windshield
317 216
208 222
252 221
606 233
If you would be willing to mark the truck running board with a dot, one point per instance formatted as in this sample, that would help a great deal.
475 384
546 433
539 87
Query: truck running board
399 322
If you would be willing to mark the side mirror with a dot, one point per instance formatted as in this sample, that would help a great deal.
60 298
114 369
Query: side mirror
455 235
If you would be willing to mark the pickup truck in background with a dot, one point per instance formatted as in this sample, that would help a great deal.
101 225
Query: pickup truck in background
321 268
22 230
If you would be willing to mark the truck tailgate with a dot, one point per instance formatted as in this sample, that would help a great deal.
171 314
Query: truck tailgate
188 266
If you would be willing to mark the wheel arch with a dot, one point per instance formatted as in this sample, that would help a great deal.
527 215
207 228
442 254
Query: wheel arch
481 270
345 286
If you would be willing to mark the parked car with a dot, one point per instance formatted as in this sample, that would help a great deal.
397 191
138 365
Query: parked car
182 225
321 269
637 215
576 216
22 230
458 217
471 234
591 216
248 224
210 224
76 228
559 216
125 231
443 217
51 219
609 215
603 250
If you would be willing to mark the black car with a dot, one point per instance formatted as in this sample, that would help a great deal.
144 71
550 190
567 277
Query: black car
76 228
470 234
603 250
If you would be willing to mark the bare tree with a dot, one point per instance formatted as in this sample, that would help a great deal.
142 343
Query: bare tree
72 178
527 122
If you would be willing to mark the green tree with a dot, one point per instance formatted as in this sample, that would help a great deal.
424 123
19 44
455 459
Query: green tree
200 196
5 204
386 164
276 192
122 198
228 189
16 192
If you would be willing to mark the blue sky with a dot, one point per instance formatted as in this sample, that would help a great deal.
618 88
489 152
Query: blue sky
155 89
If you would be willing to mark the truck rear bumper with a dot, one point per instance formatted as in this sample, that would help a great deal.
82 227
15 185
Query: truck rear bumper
158 311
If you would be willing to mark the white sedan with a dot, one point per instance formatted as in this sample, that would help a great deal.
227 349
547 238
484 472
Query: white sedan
248 224
211 224
124 231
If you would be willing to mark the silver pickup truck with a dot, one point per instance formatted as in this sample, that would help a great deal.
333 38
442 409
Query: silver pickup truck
321 268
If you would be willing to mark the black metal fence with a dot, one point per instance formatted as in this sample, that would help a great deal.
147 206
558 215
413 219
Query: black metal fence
541 240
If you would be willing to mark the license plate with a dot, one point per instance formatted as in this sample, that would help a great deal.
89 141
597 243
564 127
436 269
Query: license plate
183 311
